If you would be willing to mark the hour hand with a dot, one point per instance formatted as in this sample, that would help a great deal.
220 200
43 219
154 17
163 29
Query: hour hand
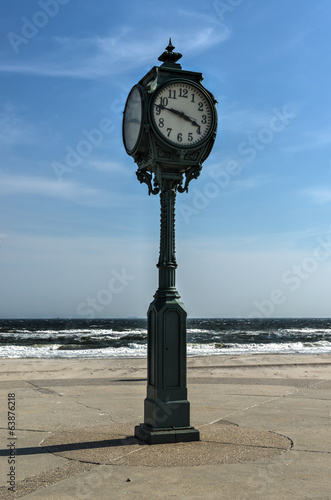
187 118
172 110
181 114
177 112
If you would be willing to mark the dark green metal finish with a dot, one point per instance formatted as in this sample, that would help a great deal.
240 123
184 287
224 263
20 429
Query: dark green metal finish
151 150
166 169
167 410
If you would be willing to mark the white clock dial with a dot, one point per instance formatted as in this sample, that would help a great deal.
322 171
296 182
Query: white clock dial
182 114
132 119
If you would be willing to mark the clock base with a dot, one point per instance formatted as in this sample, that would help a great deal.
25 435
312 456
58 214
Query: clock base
151 435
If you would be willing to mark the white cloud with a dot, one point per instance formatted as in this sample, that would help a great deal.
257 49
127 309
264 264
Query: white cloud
318 195
236 118
310 139
198 16
202 40
253 182
15 129
110 167
32 185
218 174
89 58
97 56
242 119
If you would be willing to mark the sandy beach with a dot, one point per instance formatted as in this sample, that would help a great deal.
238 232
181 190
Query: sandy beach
264 422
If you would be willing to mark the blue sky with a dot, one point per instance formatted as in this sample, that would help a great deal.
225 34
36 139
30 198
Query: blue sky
79 234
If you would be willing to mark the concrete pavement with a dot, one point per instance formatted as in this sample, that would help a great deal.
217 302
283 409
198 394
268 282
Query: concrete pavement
264 423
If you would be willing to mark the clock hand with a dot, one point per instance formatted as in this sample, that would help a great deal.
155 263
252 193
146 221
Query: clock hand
181 114
195 124
172 110
187 118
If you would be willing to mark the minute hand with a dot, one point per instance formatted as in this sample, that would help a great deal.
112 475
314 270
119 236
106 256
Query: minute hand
181 114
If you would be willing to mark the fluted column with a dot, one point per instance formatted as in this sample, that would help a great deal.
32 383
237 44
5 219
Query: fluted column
167 259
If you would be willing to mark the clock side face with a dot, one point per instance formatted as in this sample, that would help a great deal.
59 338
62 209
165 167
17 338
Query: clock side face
182 114
132 119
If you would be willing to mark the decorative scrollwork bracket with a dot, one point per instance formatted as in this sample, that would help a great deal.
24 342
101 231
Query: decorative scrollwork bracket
145 177
192 173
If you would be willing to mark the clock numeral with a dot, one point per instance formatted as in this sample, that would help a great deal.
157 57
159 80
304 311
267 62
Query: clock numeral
161 122
172 94
169 131
200 108
163 101
183 93
193 98
204 119
180 137
190 136
157 110
199 130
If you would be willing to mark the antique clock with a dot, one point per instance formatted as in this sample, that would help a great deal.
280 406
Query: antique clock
170 120
169 128
132 122
182 114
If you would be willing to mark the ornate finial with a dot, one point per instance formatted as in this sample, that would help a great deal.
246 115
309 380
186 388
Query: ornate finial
170 58
170 47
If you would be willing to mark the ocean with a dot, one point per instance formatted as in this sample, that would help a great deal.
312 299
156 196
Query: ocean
106 338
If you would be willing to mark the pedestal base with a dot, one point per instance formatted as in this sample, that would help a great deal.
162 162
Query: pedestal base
166 414
151 435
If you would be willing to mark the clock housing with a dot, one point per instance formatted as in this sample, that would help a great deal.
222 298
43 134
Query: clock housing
182 114
133 118
170 119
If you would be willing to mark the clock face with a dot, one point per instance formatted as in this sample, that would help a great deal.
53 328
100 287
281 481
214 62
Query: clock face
182 114
132 119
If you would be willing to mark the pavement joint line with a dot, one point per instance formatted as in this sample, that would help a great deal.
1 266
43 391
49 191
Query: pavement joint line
25 430
253 445
75 400
67 382
255 395
126 454
274 398
271 365
250 407
105 412
265 447
225 366
42 389
311 451
314 399
215 421
309 386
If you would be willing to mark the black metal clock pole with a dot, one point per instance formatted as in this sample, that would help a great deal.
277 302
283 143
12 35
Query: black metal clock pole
167 410
169 128
167 260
